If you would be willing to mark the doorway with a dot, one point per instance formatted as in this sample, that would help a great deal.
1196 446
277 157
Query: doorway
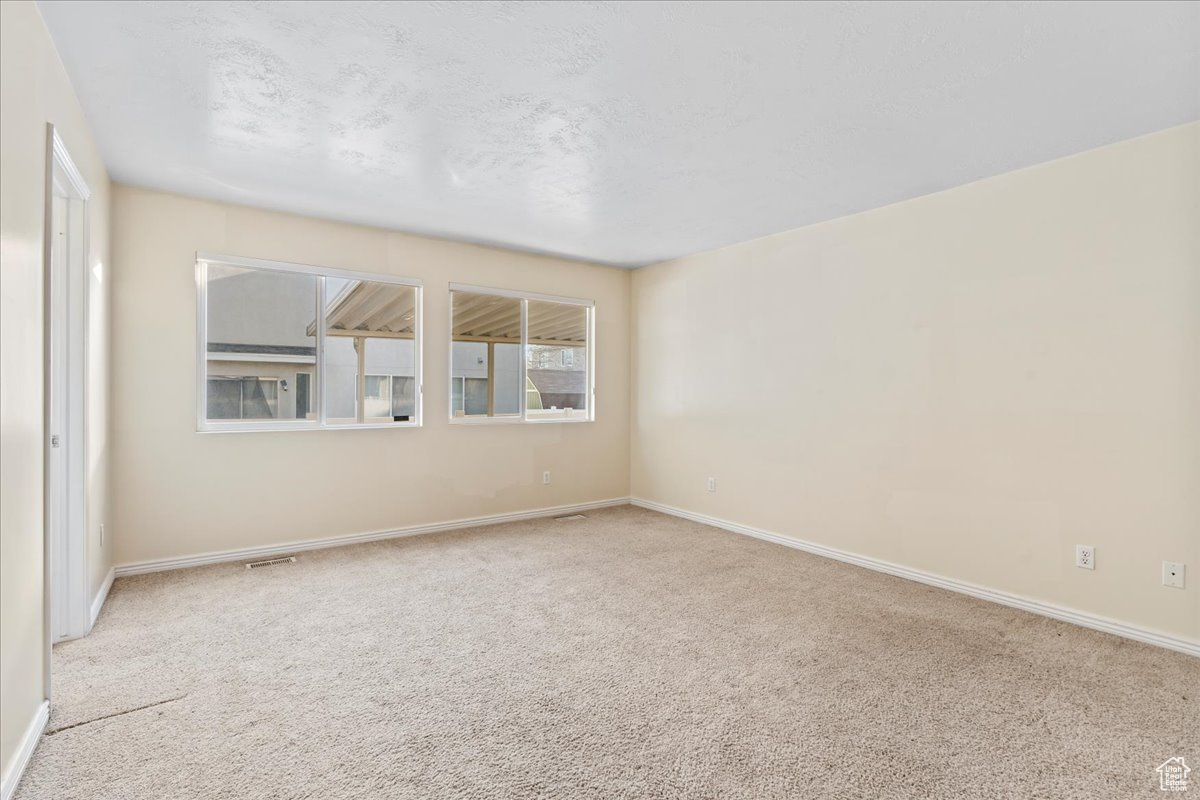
65 328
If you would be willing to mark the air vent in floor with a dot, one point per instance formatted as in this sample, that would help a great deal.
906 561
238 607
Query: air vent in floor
570 517
271 562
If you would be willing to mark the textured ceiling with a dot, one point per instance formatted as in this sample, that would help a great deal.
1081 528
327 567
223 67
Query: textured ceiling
623 133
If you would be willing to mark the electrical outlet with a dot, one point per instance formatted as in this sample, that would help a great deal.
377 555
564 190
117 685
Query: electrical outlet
1085 556
712 484
1174 573
102 534
546 477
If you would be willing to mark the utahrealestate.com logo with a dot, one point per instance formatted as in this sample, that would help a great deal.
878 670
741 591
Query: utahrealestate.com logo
1173 775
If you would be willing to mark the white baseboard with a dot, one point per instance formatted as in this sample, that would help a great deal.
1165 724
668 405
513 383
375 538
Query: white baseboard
29 743
101 596
271 551
1062 613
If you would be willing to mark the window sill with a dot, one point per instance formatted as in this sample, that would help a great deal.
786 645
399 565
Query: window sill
469 421
312 427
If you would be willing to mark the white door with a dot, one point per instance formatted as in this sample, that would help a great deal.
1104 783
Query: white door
56 463
66 556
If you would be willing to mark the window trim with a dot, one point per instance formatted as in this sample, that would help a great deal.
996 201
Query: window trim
317 392
523 417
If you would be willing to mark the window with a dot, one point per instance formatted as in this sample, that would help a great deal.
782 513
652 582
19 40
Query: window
519 357
485 356
233 397
469 396
286 346
390 396
369 338
304 404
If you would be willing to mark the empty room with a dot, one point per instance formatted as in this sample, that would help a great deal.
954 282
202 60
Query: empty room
599 400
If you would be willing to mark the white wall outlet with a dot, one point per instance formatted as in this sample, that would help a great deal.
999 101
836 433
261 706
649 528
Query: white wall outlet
546 477
1085 556
1174 573
102 534
712 484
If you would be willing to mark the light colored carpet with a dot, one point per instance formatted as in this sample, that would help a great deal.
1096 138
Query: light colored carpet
630 655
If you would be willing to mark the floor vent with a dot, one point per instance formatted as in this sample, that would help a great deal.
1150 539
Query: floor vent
570 517
271 562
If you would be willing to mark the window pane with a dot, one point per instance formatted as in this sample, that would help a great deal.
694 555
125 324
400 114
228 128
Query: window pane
260 398
486 353
507 374
370 330
261 332
379 397
303 395
341 365
476 396
394 360
556 360
456 397
224 398
404 396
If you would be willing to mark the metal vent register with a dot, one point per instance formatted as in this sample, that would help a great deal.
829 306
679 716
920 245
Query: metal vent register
271 562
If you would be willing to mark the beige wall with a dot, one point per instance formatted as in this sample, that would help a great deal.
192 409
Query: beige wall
969 383
183 493
34 90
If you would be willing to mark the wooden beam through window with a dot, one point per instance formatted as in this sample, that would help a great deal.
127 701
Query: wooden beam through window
371 335
517 340
491 379
360 401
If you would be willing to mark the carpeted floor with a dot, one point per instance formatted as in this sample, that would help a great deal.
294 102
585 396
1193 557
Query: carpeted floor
629 655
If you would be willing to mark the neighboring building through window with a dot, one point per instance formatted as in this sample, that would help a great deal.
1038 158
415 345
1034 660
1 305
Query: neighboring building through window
390 396
241 397
304 389
275 335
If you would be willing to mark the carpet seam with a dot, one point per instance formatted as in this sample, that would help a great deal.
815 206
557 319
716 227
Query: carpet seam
111 716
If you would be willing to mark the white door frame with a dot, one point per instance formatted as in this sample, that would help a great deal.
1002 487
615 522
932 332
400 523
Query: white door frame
65 331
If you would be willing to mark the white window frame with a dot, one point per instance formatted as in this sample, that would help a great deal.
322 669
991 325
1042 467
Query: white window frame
587 415
317 384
